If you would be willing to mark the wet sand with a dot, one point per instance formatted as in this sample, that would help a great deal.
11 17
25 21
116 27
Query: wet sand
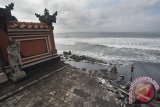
142 69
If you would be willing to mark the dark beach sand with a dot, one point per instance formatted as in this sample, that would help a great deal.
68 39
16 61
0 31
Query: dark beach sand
142 69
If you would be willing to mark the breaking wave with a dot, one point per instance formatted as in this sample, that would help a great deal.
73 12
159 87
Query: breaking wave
122 49
132 43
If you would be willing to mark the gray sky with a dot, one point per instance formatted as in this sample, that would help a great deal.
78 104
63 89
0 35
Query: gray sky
93 15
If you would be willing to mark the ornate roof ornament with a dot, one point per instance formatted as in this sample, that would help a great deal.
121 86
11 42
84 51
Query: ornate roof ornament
10 7
6 16
6 13
47 18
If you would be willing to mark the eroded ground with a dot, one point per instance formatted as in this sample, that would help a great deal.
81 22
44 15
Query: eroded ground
66 88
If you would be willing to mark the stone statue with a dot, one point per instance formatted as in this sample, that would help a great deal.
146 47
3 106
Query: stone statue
46 18
14 59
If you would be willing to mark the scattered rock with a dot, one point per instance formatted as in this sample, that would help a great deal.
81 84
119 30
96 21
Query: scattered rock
84 69
67 53
104 70
19 97
68 56
50 100
120 79
52 93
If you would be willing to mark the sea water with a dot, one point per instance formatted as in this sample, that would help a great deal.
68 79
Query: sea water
122 47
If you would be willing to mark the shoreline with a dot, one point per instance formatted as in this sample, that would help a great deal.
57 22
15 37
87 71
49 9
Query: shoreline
68 76
90 64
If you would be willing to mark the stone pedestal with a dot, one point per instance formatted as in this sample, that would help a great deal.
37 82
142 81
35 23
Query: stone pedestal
17 76
3 77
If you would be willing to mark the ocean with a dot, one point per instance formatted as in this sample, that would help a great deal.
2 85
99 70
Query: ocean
113 47
140 49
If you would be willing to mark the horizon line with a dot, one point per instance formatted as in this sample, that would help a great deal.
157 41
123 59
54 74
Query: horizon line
112 32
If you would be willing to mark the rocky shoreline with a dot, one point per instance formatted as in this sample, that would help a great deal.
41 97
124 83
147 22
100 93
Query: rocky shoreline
107 73
108 84
88 87
108 77
69 56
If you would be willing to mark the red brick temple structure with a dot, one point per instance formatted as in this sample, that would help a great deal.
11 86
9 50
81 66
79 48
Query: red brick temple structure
36 39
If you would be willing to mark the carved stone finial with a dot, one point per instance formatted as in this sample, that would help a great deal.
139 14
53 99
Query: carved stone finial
46 11
10 6
6 13
49 19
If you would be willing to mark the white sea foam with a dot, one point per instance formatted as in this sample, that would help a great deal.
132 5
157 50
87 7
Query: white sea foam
122 42
118 59
123 49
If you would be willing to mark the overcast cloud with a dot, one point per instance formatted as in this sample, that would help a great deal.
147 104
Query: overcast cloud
93 15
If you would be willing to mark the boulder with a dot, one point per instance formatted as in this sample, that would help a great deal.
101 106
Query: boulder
75 57
83 57
104 70
67 53
84 69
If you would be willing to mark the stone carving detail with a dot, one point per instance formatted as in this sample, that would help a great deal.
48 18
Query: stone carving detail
10 7
14 59
47 18
6 12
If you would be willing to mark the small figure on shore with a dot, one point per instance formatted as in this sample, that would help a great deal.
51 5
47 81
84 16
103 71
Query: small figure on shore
131 77
14 59
132 69
113 72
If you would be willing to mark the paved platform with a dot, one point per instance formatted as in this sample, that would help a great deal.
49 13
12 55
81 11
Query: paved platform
67 88
34 73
